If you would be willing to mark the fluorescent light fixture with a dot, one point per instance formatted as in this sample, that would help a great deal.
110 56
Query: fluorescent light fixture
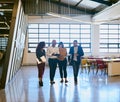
6 10
66 17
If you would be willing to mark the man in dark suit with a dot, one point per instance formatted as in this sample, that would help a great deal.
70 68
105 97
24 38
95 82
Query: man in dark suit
76 52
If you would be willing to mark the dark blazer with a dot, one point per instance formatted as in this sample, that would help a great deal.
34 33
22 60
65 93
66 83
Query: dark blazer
80 53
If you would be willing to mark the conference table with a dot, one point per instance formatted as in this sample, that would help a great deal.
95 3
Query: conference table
113 65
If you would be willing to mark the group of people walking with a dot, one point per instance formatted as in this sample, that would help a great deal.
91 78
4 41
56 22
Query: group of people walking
58 56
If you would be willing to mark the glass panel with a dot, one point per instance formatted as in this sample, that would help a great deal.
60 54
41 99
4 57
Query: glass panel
64 40
64 25
75 36
33 35
104 26
104 31
113 26
43 25
43 30
85 35
85 26
85 30
103 50
64 35
103 40
85 45
32 40
113 50
57 40
43 35
66 45
103 36
113 36
113 45
113 31
54 35
54 30
54 26
64 30
75 26
103 45
74 31
85 40
86 49
113 40
33 45
32 30
33 26
46 40
71 40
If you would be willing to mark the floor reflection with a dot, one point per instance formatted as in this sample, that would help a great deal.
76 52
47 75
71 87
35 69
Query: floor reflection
52 97
90 88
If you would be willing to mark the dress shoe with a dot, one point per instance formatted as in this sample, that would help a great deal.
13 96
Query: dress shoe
52 82
61 80
75 80
66 81
40 83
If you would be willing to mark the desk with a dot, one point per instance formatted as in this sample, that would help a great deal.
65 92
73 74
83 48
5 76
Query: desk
113 65
111 60
113 68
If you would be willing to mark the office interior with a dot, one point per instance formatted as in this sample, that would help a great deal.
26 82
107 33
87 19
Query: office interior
24 23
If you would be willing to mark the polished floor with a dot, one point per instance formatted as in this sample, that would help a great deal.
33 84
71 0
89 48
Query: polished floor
90 88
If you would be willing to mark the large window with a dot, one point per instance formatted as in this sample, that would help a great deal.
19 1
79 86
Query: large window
110 38
3 43
60 32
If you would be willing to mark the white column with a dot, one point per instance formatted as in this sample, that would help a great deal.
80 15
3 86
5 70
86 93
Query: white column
95 40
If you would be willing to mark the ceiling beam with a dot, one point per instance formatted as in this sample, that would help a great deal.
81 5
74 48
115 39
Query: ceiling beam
78 2
109 14
108 3
6 1
71 6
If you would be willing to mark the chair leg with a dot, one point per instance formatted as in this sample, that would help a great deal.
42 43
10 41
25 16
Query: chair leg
106 70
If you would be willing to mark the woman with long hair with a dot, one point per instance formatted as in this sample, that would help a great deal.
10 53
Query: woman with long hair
40 54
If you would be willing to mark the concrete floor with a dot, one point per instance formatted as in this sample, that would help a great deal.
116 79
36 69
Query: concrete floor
90 88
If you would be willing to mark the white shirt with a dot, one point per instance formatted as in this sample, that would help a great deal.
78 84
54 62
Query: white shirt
75 52
51 50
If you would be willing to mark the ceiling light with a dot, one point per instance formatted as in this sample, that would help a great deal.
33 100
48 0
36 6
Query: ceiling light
0 5
1 13
5 9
